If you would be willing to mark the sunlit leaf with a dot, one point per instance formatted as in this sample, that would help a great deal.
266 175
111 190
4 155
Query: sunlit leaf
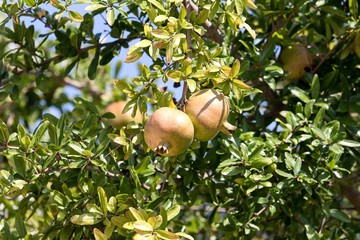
99 235
141 226
75 16
86 219
173 212
110 16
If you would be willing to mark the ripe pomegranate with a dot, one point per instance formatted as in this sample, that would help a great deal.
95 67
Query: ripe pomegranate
209 109
168 131
122 119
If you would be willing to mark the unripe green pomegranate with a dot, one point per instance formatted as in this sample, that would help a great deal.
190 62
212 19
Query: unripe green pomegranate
295 59
122 119
208 110
168 131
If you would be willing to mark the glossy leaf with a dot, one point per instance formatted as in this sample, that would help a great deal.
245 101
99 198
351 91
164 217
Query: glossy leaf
86 219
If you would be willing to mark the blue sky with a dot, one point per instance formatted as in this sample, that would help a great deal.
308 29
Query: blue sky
128 70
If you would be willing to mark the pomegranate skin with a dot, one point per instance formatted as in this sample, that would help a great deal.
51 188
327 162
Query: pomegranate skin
122 119
209 109
295 59
168 131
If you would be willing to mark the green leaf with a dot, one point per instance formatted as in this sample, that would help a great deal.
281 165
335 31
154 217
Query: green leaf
311 233
315 87
235 69
283 174
319 117
59 198
134 56
139 45
256 151
169 51
20 165
317 132
30 3
184 235
299 93
160 18
110 16
166 235
202 17
349 143
340 215
26 143
92 70
112 204
275 69
353 7
156 221
297 166
4 132
309 107
57 5
95 6
191 84
239 6
157 4
214 9
160 34
119 221
260 161
99 235
186 67
75 16
103 199
154 51
142 226
175 75
173 212
86 219
20 225
136 214
40 131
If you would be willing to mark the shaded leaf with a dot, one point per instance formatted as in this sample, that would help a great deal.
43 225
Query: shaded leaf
340 215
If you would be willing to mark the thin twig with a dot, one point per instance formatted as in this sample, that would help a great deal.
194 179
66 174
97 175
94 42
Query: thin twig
328 55
164 183
257 214
182 100
212 31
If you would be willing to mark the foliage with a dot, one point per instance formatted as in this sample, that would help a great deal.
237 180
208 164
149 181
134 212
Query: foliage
290 170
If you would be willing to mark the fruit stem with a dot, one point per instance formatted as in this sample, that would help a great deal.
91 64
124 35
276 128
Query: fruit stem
226 128
163 148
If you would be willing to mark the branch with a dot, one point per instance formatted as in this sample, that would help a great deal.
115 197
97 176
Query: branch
212 32
328 55
182 100
352 195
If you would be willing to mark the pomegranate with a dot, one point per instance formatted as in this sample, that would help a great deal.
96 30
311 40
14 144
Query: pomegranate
168 131
296 60
209 109
122 119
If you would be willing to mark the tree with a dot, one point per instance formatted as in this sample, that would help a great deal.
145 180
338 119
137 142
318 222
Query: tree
289 170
